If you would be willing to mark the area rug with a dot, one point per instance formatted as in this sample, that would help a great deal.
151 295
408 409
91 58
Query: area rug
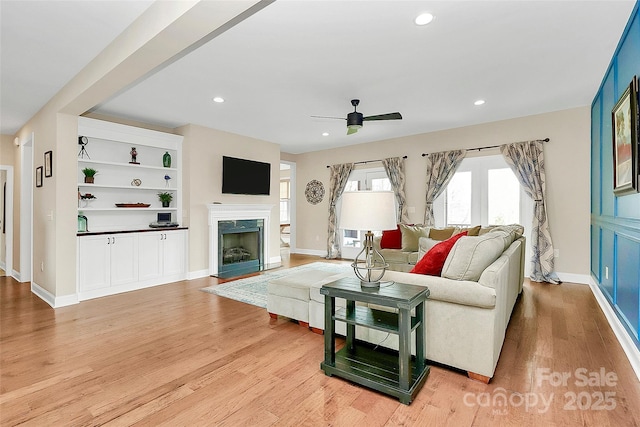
253 290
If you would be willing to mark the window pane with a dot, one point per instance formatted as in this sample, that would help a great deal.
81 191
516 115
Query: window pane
284 189
351 186
503 197
351 238
459 199
380 184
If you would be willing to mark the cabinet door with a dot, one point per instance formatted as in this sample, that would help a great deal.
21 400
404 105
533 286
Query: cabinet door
173 257
94 262
149 255
124 258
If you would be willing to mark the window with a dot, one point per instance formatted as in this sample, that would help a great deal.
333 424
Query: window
285 201
374 179
484 191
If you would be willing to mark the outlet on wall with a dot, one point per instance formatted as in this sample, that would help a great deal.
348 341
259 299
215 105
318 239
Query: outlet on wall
556 253
42 266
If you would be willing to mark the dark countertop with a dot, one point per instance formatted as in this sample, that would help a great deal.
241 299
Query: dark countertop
142 230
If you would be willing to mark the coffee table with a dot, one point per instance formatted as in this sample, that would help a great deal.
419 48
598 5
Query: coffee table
398 374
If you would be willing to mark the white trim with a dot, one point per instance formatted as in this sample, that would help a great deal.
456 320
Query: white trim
629 347
52 300
320 253
581 279
198 274
8 219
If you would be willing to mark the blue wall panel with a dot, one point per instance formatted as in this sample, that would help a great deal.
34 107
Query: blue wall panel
595 252
627 279
607 263
615 221
606 166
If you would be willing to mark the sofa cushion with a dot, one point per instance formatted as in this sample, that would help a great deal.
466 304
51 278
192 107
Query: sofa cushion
441 233
396 256
471 255
410 236
431 263
424 245
391 239
441 289
471 231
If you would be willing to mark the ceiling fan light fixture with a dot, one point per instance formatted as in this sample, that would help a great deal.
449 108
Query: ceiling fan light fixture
424 18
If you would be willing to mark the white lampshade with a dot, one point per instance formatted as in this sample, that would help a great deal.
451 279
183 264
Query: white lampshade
368 210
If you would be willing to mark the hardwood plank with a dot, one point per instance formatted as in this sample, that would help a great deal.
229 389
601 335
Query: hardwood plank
173 355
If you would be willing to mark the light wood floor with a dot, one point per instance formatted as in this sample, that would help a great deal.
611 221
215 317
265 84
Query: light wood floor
173 355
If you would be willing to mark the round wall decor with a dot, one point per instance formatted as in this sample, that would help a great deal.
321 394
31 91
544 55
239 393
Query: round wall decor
314 192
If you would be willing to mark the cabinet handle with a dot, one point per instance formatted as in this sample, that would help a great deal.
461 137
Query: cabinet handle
108 240
114 240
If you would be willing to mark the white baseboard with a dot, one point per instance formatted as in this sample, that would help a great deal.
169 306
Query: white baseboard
309 252
52 300
629 347
582 279
197 274
16 275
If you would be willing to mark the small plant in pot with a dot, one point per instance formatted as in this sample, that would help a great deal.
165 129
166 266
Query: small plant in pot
89 174
165 198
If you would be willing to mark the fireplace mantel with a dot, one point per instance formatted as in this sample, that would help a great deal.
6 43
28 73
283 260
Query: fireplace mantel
230 212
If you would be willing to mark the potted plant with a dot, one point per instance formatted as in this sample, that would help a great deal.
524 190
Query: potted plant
165 198
89 174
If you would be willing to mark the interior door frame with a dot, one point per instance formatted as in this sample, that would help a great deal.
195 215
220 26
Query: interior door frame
8 221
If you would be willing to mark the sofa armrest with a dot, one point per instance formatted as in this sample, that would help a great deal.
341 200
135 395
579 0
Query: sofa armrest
376 243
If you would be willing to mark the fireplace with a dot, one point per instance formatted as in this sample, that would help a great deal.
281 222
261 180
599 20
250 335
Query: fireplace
240 247
239 239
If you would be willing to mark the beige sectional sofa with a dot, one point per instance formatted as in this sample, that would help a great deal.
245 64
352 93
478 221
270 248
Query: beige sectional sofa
470 304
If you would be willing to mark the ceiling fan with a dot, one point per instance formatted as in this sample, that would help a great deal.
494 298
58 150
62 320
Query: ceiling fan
355 119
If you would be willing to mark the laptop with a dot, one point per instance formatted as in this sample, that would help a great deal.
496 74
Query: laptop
164 220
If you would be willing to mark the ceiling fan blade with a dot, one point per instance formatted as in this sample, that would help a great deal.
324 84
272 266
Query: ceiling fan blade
327 117
389 116
351 131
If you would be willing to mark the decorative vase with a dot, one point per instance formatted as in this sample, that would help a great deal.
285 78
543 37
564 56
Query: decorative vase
166 160
88 180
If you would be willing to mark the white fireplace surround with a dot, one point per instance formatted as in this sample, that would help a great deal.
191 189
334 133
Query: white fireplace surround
231 212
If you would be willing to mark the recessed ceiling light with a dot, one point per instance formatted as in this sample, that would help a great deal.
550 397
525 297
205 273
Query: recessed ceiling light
479 102
424 19
325 133
218 99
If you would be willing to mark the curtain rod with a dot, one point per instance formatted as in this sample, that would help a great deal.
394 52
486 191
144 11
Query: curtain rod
486 148
368 161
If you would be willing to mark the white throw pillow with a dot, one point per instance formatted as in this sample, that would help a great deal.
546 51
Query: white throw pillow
471 255
424 244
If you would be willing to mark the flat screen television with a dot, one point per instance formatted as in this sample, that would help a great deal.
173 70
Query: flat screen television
241 176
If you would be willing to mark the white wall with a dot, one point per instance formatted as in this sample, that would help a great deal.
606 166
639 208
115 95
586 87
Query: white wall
203 149
567 158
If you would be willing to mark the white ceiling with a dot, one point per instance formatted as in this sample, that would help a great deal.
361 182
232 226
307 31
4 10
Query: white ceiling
295 59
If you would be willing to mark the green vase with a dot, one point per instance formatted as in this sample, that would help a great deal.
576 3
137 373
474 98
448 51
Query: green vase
166 160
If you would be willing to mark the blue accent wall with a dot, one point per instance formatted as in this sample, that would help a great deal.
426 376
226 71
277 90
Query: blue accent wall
615 221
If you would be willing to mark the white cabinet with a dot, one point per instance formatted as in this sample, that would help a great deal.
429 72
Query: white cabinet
106 261
120 262
161 254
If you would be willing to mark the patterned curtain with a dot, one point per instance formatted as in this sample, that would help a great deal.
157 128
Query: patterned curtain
526 160
339 176
394 166
440 169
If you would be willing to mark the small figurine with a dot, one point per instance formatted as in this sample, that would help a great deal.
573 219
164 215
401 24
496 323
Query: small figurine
166 180
134 154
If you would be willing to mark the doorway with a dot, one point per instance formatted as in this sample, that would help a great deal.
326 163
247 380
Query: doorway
6 220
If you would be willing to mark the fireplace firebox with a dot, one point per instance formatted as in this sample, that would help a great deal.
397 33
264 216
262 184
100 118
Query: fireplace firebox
240 247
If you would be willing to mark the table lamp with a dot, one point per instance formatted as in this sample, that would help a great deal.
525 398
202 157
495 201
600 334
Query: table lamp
368 210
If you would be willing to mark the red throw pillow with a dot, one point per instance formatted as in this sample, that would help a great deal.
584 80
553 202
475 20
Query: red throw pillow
433 261
391 239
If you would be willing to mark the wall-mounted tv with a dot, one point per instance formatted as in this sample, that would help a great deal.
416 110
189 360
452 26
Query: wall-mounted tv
241 176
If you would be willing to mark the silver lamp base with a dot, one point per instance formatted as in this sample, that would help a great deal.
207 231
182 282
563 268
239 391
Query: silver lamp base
369 265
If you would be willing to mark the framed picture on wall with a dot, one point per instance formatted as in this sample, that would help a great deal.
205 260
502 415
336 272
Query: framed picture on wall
48 164
624 118
39 176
